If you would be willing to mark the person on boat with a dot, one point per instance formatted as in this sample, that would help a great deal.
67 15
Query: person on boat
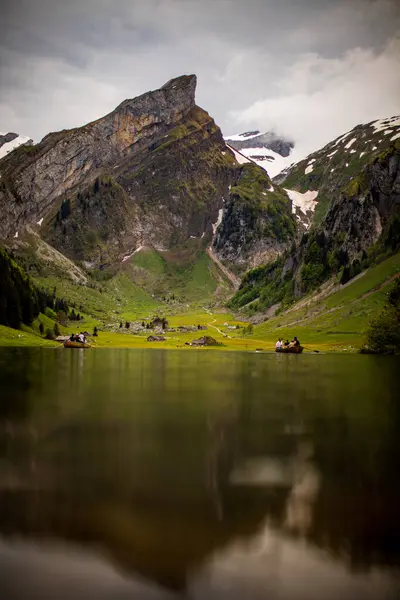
295 342
286 344
279 344
81 338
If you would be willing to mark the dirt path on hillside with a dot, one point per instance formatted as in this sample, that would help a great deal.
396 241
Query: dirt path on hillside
235 281
213 326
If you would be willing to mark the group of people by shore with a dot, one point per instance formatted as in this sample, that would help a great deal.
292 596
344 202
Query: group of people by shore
78 337
293 344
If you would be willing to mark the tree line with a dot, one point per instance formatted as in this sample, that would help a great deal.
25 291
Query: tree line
20 300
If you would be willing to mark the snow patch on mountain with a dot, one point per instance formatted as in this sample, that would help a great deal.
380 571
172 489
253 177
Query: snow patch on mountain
270 161
267 150
385 124
239 156
128 256
303 205
342 138
7 145
218 221
351 142
243 136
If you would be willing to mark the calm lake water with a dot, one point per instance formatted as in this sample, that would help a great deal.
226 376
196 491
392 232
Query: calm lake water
203 475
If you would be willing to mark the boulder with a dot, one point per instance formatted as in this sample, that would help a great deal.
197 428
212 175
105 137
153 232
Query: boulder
206 340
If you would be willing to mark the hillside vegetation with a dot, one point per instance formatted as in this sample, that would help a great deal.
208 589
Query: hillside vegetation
360 229
337 316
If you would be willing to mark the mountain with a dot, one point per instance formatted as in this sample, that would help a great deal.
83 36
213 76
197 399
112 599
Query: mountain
268 150
347 202
11 141
257 223
316 181
145 189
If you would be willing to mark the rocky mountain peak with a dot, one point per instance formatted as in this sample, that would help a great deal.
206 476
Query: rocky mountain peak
184 83
177 96
70 158
154 173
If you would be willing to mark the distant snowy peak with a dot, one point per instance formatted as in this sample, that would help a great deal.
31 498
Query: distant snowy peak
241 137
268 150
11 141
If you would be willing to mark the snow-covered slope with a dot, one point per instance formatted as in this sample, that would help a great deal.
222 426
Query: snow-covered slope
303 205
268 150
319 179
240 157
10 141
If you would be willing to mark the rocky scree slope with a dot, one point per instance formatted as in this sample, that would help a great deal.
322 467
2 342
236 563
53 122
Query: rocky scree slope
356 222
155 173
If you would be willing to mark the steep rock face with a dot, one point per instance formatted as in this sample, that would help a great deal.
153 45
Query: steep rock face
367 206
161 198
152 172
34 177
362 225
156 173
257 224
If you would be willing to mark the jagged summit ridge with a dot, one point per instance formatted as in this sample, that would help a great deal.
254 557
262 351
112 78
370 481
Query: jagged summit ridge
178 93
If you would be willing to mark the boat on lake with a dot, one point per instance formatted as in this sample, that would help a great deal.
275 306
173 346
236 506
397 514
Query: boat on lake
290 349
70 344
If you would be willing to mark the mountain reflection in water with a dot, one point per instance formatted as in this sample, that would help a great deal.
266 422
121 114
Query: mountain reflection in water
152 474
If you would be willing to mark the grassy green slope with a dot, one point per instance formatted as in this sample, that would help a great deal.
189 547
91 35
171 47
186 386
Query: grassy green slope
118 296
340 320
189 276
23 337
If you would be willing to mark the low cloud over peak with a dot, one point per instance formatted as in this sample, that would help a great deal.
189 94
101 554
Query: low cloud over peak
319 98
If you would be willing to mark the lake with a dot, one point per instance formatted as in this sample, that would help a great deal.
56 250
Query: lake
156 474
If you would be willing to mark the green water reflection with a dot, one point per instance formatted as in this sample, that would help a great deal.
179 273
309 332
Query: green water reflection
201 473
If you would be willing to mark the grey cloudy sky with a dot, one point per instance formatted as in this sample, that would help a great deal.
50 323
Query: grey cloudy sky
310 69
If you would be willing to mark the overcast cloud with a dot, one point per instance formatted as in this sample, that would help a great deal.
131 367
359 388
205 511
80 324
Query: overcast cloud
309 69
